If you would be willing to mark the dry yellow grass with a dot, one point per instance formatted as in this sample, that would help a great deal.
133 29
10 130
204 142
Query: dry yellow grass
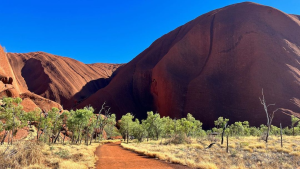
42 156
295 153
71 156
244 152
198 146
248 149
20 154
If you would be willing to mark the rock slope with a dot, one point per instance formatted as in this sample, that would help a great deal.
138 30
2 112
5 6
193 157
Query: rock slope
10 88
61 79
215 65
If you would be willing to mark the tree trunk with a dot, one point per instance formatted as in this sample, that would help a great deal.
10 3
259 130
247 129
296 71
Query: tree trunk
12 132
268 133
227 145
127 136
64 136
54 129
41 134
12 136
87 139
91 138
37 135
96 134
222 136
79 133
73 138
2 141
8 138
281 135
56 137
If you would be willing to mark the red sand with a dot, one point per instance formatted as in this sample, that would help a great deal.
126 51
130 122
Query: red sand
113 156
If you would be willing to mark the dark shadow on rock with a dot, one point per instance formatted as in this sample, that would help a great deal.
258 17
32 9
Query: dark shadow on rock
86 91
90 88
33 74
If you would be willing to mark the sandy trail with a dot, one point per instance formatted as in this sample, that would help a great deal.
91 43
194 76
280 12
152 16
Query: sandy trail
113 156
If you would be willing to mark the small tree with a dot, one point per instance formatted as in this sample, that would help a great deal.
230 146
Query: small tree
221 123
56 123
79 121
12 116
101 120
90 128
110 125
156 127
227 131
126 125
294 121
270 116
64 116
33 116
195 125
139 130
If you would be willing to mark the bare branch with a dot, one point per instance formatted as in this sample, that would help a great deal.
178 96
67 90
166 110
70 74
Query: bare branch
271 105
269 115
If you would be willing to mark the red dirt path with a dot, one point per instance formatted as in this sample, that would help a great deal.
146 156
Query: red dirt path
113 156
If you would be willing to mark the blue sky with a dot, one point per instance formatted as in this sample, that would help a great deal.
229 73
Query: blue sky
107 31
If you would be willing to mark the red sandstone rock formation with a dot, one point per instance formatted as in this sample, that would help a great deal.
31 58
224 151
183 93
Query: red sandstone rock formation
37 101
60 79
215 65
9 88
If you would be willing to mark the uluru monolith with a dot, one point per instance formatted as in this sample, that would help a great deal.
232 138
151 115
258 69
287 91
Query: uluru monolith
10 88
61 79
215 65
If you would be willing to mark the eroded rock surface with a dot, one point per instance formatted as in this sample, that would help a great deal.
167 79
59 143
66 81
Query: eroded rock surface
215 65
61 79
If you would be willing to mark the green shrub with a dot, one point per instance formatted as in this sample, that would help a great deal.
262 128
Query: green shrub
63 153
244 144
180 138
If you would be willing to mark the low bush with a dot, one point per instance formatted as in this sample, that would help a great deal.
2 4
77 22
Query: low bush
63 153
22 154
180 139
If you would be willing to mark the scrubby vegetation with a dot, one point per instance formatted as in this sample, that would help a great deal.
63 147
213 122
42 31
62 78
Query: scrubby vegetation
165 128
60 139
184 141
244 152
55 137
80 124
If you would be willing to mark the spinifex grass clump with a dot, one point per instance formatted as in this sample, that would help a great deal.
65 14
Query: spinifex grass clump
21 154
180 138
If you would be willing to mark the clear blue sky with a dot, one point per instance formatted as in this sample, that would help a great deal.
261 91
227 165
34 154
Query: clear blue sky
108 31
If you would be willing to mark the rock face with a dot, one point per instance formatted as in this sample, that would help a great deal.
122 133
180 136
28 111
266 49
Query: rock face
60 79
10 88
7 87
297 16
215 65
